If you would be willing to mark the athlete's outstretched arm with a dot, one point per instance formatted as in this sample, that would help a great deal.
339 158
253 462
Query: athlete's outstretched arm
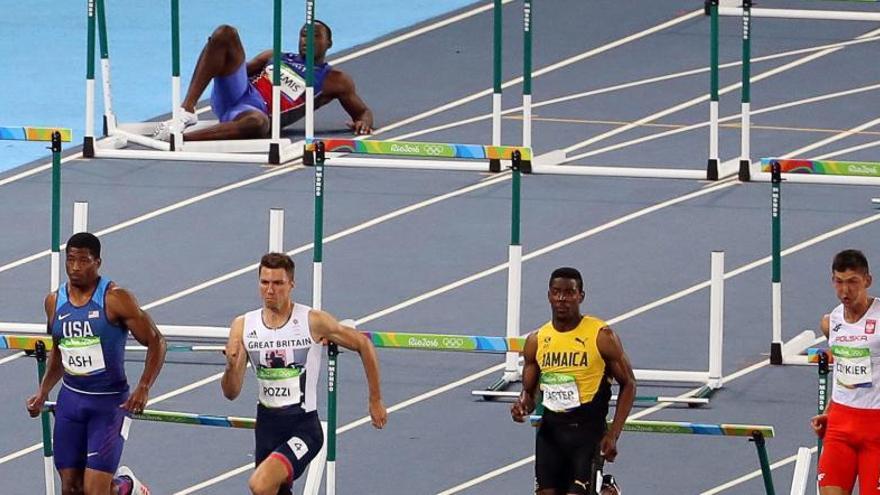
236 361
123 307
326 327
341 86
618 366
54 369
525 404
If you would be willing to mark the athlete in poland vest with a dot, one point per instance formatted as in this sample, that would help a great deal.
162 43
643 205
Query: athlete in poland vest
856 349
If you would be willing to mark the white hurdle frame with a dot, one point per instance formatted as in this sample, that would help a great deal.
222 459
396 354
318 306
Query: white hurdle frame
121 134
713 378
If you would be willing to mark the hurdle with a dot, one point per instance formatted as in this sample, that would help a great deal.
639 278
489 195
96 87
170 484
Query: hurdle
55 136
711 380
275 150
756 434
810 172
747 12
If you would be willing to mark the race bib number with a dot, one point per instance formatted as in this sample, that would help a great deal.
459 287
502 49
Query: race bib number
82 355
293 86
560 392
852 366
279 387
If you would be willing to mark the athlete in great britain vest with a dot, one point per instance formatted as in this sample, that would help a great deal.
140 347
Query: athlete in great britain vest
286 360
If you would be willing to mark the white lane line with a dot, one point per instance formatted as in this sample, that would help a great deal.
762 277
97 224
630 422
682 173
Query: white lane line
752 475
700 99
773 108
339 235
12 357
417 32
837 137
546 249
558 65
161 211
859 147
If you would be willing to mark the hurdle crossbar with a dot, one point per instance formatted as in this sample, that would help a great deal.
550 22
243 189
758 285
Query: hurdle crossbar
171 331
687 428
418 155
639 398
819 171
812 14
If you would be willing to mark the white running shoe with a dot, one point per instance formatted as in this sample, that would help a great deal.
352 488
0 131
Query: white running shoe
165 129
137 488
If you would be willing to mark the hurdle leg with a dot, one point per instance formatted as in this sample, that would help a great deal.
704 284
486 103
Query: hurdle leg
713 164
776 356
801 471
744 160
766 474
55 273
716 320
80 217
48 465
276 230
109 122
316 468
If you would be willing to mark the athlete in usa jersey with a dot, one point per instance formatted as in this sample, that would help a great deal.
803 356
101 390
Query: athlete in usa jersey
89 318
283 341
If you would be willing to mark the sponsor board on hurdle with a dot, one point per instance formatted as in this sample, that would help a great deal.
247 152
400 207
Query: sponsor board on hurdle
840 172
414 155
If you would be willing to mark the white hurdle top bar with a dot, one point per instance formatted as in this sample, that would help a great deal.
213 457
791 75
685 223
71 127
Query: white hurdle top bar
827 15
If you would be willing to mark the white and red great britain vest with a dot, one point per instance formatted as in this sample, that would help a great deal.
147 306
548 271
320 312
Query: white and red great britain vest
856 349
286 360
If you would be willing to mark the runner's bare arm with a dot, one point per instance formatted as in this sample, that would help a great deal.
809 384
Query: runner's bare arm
525 404
236 361
618 366
124 308
324 326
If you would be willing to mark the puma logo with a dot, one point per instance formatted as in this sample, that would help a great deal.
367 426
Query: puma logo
580 341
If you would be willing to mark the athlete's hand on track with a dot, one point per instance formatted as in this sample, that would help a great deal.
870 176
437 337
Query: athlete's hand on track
137 400
819 424
359 127
35 404
378 414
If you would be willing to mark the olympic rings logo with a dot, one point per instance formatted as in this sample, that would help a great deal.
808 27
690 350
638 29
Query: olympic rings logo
453 342
433 149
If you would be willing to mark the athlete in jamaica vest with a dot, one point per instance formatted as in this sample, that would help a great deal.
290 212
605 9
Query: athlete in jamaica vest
90 318
283 341
572 360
